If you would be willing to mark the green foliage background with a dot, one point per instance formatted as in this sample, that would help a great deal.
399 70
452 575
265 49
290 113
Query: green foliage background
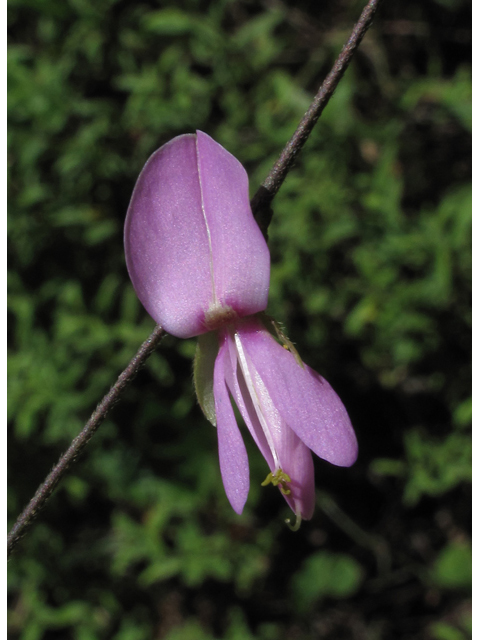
370 244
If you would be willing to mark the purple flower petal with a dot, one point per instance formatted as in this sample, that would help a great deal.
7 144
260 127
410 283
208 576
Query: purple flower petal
297 463
238 388
241 259
279 445
304 399
166 240
231 448
194 252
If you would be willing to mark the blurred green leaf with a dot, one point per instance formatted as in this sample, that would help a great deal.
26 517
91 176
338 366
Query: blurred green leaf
453 567
325 575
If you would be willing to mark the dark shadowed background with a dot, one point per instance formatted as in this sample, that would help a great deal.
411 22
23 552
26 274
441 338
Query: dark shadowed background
370 244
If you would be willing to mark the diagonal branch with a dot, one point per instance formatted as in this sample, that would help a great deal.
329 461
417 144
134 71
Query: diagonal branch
266 192
262 212
78 444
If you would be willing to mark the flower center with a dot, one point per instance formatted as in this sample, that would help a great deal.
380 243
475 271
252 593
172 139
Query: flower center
218 316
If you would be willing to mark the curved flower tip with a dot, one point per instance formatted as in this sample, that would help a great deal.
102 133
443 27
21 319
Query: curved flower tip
290 461
296 525
288 409
194 252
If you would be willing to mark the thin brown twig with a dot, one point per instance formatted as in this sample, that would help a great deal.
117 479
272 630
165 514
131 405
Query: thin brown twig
263 197
78 444
262 212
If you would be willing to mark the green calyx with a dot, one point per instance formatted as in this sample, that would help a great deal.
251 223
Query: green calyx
203 366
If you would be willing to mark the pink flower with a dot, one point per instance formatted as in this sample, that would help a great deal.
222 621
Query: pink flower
201 267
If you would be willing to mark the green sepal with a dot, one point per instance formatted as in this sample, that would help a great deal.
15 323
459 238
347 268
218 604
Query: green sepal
203 365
